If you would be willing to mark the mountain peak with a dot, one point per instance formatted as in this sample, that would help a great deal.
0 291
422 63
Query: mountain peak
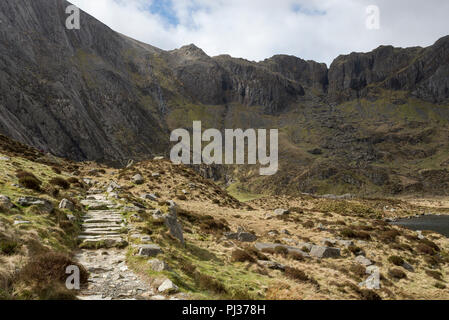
191 50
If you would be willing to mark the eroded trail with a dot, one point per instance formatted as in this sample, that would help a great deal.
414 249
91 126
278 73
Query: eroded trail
103 253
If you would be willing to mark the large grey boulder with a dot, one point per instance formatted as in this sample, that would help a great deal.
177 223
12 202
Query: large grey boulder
43 204
324 252
373 281
241 235
171 221
5 202
168 287
149 250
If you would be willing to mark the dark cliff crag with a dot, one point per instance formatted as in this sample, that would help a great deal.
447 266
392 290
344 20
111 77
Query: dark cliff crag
370 123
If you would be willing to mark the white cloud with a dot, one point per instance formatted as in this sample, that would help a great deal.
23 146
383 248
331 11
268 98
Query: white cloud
257 29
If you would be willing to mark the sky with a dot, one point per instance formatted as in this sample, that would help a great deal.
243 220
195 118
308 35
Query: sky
317 30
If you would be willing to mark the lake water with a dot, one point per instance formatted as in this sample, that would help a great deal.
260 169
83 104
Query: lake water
438 224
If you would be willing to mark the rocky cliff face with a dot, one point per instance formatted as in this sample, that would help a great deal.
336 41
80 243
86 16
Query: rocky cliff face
69 91
421 71
95 94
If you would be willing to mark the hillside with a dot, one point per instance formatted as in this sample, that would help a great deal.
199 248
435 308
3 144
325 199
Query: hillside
371 124
270 248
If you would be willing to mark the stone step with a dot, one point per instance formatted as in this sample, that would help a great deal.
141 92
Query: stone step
100 233
103 213
100 237
103 220
103 225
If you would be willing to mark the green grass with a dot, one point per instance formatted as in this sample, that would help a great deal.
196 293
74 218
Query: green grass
235 191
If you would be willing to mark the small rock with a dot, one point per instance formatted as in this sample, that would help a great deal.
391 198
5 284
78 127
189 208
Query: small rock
19 222
149 196
273 233
66 204
113 186
420 235
4 158
272 265
155 174
158 158
324 252
168 287
158 265
241 235
137 179
408 267
281 212
157 214
149 250
6 202
363 261
88 181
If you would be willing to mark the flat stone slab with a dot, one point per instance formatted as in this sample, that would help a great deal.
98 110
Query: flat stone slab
149 250
324 252
364 261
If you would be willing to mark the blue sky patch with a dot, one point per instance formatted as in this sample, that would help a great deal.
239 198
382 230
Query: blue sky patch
297 8
164 8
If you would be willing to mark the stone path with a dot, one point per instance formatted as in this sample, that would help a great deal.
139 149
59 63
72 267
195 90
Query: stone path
102 253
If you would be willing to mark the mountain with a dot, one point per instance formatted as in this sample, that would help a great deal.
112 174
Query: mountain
371 123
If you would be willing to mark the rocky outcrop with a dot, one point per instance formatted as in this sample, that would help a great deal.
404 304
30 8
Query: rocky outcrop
421 71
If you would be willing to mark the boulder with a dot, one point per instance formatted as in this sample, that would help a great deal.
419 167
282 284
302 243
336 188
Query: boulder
281 212
324 252
241 235
277 213
149 250
66 204
6 202
363 261
113 186
137 179
158 265
408 267
373 281
168 287
261 246
42 204
149 196
88 181
157 214
171 221
272 265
